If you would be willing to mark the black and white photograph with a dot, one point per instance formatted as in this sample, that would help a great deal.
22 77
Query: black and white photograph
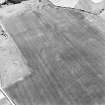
52 52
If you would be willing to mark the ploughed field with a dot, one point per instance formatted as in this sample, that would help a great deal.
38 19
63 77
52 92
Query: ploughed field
65 55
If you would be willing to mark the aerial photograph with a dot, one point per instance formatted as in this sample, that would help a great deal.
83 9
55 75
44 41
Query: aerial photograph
52 52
